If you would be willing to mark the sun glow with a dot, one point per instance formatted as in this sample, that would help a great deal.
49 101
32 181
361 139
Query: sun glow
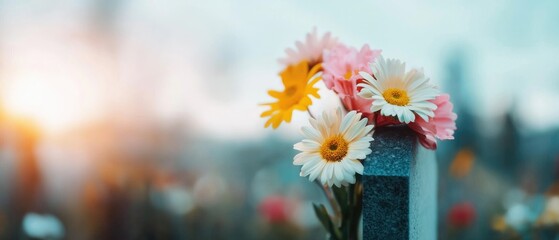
54 106
58 81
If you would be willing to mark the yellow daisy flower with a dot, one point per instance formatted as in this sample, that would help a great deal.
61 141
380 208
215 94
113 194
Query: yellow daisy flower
298 82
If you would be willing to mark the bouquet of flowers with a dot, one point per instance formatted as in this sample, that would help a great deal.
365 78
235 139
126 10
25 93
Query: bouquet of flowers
374 92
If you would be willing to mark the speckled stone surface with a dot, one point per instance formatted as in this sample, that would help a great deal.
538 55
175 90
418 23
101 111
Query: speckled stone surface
399 180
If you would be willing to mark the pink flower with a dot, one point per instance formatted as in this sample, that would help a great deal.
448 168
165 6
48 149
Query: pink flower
441 126
341 66
445 119
311 50
425 133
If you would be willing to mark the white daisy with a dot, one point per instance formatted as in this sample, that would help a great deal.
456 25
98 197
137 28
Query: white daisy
334 146
398 93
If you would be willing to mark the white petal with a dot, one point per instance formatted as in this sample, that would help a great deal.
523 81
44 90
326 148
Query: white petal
319 127
367 76
351 180
399 110
303 147
358 166
326 173
301 158
377 97
310 143
387 110
360 146
422 115
415 83
337 183
376 108
338 171
365 93
326 120
364 132
355 130
310 164
315 172
347 122
348 166
425 104
311 133
408 116
424 111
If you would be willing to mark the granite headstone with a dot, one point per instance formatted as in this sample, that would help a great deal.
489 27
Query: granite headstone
399 187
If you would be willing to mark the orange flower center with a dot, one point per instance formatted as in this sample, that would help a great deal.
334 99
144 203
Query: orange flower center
396 96
290 91
334 149
292 97
348 74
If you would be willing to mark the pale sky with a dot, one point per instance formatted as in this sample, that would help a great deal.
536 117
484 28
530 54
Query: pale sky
211 62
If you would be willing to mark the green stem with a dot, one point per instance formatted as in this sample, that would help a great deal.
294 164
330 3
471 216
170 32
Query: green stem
333 203
310 113
345 222
356 206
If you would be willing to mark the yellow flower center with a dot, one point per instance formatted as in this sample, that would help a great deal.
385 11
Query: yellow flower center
348 74
334 149
396 96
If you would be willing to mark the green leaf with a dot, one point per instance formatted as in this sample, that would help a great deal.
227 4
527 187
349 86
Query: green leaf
324 218
322 215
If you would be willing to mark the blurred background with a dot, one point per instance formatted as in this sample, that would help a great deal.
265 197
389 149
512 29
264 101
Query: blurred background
124 119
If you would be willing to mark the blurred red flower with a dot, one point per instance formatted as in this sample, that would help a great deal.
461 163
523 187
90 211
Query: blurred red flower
461 215
276 209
